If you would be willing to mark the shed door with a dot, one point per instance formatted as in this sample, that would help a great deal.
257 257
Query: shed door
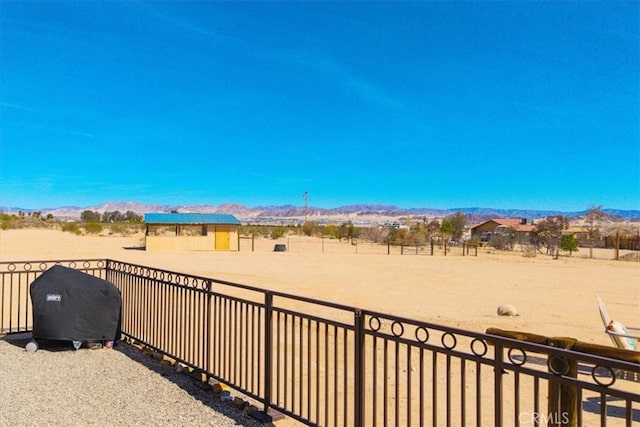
223 237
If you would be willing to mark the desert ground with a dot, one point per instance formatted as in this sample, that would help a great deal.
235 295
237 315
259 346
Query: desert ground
552 297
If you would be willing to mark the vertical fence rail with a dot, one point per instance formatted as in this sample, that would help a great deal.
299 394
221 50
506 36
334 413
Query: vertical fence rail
498 372
268 365
359 369
330 365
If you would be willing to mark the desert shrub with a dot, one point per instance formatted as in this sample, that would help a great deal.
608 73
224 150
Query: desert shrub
6 221
118 228
630 257
277 232
529 253
375 234
309 228
71 227
474 241
330 230
500 241
93 227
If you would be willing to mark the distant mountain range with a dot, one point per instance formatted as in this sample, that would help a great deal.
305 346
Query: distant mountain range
350 212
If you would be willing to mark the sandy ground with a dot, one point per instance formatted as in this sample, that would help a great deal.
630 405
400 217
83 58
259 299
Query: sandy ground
553 297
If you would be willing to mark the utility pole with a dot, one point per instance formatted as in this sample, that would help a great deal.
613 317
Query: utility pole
306 208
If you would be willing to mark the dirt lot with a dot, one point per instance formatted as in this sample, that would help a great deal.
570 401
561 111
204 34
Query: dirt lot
553 297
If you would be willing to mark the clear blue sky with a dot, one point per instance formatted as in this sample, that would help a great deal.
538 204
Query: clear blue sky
528 104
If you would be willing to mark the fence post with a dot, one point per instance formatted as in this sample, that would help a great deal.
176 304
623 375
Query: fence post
563 400
268 348
358 368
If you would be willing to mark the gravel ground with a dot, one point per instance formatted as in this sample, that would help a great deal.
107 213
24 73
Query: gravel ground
120 387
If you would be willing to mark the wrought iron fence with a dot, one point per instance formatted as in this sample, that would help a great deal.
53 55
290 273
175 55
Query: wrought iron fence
333 365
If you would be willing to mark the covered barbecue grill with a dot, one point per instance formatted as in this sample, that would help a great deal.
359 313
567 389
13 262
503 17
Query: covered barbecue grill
69 305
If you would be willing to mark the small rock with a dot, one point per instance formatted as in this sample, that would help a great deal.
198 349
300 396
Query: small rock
261 416
218 387
250 410
507 310
197 374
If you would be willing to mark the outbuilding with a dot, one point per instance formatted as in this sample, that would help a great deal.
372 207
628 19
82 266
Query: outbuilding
191 232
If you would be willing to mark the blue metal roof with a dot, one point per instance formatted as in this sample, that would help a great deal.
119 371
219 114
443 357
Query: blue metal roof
190 218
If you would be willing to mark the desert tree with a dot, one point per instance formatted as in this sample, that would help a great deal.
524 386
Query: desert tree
433 228
458 222
569 243
131 216
90 216
446 230
548 232
348 231
419 231
593 219
112 216
398 236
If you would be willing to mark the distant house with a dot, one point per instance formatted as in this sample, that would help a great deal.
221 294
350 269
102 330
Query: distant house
190 232
483 231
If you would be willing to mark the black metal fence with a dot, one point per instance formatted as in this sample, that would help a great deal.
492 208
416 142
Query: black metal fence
333 365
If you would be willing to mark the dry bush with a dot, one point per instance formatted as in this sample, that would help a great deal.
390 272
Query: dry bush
630 257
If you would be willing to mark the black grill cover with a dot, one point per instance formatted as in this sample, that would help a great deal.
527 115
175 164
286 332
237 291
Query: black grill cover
71 305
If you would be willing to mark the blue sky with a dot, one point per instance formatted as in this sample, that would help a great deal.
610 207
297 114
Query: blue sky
532 104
